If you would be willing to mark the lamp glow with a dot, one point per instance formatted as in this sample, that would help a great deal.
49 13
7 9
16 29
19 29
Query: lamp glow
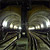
15 27
32 28
48 24
38 27
42 26
11 25
20 28
4 23
23 33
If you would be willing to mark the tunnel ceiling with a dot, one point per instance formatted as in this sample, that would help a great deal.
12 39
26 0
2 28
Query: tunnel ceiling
10 16
39 16
36 16
13 18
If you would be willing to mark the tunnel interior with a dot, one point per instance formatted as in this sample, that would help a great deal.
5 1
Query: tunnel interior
24 25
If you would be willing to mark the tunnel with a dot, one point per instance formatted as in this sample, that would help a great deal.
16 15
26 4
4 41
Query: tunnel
24 25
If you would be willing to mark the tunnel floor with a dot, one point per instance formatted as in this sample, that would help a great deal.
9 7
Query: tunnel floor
22 43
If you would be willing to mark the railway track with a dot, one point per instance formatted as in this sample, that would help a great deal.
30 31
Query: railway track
43 41
37 43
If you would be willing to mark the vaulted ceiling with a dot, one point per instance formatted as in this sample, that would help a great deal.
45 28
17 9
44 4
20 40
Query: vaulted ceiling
38 15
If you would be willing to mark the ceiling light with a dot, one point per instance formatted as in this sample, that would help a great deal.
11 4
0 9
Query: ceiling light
4 23
42 26
15 27
11 25
38 27
31 28
48 24
20 27
23 33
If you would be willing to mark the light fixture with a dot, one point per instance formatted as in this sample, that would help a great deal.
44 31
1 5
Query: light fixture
20 27
23 33
42 26
11 25
31 28
36 27
4 23
15 27
48 23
